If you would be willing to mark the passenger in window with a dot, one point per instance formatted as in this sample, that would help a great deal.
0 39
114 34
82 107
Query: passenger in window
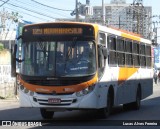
159 76
155 77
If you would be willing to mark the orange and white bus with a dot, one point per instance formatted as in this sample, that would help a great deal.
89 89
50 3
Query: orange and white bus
81 66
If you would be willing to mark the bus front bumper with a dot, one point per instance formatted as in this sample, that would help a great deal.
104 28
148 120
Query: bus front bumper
60 102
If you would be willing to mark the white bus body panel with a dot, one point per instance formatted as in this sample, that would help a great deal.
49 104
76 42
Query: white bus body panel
123 93
89 101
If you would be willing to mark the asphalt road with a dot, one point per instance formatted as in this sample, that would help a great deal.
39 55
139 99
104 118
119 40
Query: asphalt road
149 112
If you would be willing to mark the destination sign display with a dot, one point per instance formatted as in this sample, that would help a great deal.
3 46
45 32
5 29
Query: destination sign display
57 31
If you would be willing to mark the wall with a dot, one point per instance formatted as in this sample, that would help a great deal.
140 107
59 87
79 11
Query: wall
6 81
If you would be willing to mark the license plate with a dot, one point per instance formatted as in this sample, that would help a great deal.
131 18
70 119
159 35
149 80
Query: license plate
54 100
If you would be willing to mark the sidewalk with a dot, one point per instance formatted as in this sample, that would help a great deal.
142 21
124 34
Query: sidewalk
9 100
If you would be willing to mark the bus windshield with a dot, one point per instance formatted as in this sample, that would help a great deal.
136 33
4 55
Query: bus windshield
58 58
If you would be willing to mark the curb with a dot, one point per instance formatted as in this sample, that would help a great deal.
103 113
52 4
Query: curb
9 100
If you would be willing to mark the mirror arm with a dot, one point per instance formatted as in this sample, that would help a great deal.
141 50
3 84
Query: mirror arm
19 37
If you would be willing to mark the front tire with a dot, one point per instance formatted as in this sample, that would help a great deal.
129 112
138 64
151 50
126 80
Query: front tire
46 114
105 112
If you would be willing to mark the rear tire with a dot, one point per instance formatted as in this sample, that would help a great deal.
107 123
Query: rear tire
137 104
46 114
127 106
134 105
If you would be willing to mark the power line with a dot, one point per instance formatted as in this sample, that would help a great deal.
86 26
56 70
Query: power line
26 14
27 9
24 8
50 6
4 3
38 7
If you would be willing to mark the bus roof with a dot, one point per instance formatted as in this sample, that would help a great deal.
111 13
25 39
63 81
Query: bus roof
110 30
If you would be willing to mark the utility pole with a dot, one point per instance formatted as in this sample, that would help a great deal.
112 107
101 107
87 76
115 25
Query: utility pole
77 11
103 13
138 16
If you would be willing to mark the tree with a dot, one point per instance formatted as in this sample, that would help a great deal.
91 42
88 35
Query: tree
1 46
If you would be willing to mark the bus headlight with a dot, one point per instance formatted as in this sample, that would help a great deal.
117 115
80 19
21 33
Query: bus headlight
21 87
26 91
85 91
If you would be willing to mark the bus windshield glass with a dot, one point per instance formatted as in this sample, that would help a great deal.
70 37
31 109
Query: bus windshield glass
58 58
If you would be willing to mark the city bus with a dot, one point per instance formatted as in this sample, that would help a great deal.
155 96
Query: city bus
82 66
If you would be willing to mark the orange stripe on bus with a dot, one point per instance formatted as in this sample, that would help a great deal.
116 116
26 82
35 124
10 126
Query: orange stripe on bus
59 89
125 73
130 37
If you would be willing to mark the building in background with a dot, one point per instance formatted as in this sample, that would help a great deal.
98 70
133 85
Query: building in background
131 17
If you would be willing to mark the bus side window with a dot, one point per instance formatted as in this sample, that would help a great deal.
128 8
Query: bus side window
111 41
148 56
102 39
136 59
142 55
129 56
120 46
101 61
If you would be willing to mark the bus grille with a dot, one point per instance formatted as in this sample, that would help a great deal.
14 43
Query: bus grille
64 102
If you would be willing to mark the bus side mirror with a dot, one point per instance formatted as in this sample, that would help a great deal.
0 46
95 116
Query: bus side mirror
13 60
102 50
15 50
105 52
19 37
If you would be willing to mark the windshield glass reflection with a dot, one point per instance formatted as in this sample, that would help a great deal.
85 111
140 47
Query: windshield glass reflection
65 58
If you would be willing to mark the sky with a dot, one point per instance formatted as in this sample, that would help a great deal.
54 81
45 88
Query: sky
33 10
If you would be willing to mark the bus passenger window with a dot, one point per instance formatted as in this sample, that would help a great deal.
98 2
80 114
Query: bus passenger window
112 58
142 53
129 46
129 59
148 50
112 43
136 58
128 53
135 48
120 44
148 56
101 61
121 58
102 38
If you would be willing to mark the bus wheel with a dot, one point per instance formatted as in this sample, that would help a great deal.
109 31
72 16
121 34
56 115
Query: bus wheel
136 105
126 106
46 114
105 112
